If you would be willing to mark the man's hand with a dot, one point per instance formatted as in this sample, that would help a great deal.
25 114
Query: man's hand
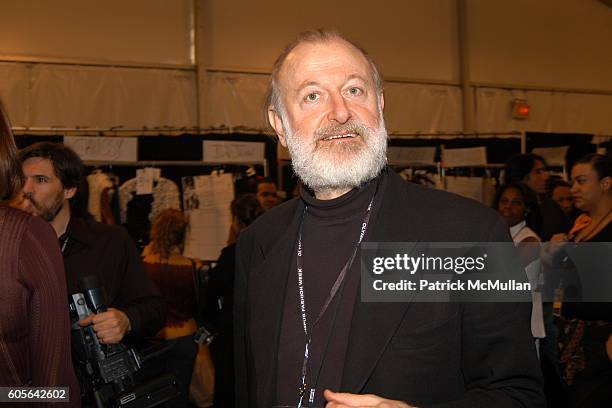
110 326
345 400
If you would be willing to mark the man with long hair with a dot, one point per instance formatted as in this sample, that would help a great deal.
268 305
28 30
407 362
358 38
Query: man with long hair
54 180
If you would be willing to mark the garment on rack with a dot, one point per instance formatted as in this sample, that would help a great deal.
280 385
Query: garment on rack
97 182
165 195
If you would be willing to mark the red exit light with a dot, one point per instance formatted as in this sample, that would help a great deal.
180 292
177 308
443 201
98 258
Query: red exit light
520 109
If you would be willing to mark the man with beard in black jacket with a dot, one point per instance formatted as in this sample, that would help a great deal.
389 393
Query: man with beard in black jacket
303 336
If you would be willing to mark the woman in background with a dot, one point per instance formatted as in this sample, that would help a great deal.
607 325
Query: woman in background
519 207
173 274
34 316
586 332
245 209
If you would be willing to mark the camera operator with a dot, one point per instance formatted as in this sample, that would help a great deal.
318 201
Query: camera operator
53 190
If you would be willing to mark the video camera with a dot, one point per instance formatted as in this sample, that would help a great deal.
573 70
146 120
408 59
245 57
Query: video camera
106 371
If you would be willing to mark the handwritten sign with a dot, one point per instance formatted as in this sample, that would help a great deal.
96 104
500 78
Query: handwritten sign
110 149
145 179
207 201
233 152
397 155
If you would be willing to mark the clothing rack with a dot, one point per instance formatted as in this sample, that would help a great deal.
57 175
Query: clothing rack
174 163
101 131
143 131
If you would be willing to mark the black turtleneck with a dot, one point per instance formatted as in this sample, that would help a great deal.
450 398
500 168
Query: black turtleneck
330 232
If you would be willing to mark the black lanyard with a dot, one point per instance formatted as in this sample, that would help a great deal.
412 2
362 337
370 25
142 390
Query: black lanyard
338 284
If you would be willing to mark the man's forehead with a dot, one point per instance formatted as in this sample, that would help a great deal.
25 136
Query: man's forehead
38 165
266 186
310 59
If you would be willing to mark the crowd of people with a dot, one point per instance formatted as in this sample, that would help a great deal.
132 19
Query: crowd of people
283 302
575 346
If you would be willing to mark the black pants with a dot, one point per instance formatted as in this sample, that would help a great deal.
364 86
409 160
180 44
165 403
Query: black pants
180 361
222 353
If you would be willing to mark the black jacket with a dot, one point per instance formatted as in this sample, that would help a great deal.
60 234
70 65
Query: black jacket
427 354
107 252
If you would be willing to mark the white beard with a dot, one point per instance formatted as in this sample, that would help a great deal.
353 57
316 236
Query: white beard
339 165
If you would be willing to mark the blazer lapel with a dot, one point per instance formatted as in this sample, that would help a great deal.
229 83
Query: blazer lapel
375 323
268 285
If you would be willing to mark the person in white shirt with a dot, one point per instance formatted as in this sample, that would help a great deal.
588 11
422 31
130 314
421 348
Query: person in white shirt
518 205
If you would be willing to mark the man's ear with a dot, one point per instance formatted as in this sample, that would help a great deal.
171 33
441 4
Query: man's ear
277 124
69 193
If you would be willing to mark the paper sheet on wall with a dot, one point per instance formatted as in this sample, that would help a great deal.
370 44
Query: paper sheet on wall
469 187
206 200
469 156
398 155
145 179
109 149
220 151
144 182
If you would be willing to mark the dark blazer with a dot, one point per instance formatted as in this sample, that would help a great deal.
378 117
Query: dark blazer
427 354
107 252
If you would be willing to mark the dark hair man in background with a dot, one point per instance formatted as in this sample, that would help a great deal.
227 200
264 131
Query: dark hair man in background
531 169
560 192
53 190
326 105
267 194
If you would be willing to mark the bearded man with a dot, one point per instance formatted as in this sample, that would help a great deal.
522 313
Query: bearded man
53 190
303 335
